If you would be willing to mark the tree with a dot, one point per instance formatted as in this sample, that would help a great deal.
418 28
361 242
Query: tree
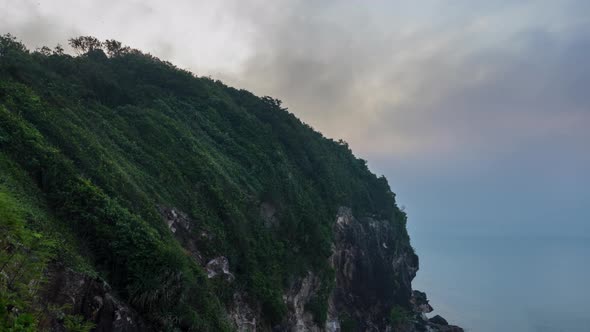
46 51
9 42
115 48
272 101
58 50
85 44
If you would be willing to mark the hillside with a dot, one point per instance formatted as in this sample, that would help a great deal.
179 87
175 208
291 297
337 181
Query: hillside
137 196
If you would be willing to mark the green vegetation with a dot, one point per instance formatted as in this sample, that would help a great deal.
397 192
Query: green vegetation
347 324
90 145
76 323
399 315
23 255
318 304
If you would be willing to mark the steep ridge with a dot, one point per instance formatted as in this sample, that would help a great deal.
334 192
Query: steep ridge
136 196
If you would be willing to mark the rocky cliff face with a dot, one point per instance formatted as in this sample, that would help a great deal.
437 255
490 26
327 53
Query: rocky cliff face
374 267
72 293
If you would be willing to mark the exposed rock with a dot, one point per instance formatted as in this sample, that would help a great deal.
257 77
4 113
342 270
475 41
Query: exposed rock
268 213
296 298
333 321
437 324
445 328
182 227
242 314
175 219
89 297
219 267
420 302
438 320
420 323
373 268
332 325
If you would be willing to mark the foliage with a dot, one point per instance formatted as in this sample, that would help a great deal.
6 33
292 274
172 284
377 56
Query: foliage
347 324
23 256
399 315
107 137
318 304
85 44
77 323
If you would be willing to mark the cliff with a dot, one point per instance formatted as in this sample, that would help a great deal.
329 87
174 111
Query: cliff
135 196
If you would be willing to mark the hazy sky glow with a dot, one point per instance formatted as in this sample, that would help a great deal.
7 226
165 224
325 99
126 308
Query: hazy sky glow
478 112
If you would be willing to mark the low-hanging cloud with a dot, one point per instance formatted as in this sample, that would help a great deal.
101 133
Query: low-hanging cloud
392 88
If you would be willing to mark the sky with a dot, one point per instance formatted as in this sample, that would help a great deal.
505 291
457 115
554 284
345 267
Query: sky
478 112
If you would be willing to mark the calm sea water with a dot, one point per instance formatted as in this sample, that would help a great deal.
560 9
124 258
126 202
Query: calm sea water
495 283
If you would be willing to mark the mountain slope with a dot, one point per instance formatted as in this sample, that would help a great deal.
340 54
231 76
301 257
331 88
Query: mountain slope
183 204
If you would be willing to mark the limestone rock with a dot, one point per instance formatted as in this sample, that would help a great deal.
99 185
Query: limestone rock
175 219
420 302
373 268
90 298
219 267
438 320
243 314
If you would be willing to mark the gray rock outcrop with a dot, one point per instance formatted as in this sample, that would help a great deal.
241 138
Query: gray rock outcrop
89 297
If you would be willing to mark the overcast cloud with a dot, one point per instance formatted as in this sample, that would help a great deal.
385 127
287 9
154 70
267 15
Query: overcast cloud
470 108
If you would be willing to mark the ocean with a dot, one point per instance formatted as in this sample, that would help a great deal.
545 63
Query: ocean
506 283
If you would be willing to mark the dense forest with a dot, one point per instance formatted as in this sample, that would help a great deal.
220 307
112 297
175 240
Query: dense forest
92 146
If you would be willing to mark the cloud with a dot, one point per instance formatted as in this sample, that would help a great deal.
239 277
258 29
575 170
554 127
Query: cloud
390 84
454 100
199 35
392 77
